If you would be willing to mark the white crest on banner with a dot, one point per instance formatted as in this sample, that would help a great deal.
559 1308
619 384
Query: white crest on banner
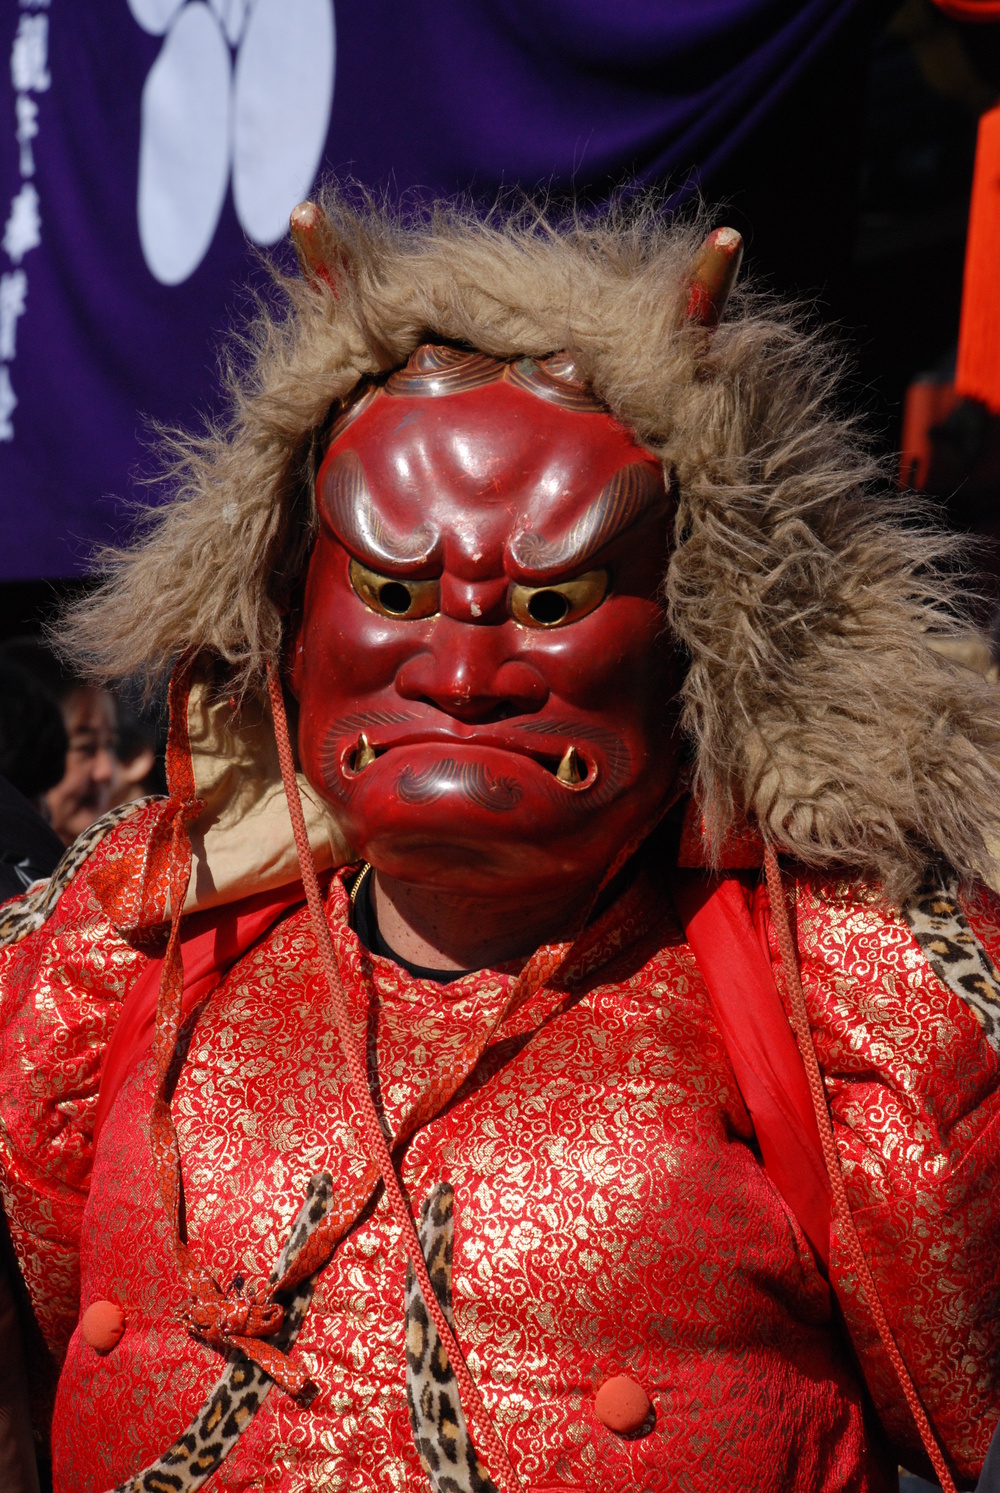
154 16
266 119
184 147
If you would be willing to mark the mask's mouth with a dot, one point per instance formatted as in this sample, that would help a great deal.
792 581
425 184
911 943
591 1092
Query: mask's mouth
573 770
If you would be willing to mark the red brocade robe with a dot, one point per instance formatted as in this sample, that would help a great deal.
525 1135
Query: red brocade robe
612 1215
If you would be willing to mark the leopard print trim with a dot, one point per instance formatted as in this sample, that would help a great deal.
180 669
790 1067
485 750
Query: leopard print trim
22 915
243 1388
440 1434
956 955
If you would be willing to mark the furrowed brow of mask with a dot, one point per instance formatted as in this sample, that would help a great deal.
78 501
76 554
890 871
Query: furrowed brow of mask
632 492
347 503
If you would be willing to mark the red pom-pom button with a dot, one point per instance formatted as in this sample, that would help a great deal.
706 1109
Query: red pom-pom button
622 1405
102 1325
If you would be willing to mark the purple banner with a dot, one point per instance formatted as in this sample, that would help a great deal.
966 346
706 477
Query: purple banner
150 148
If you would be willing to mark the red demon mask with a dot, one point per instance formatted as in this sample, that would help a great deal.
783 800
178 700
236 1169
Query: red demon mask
484 678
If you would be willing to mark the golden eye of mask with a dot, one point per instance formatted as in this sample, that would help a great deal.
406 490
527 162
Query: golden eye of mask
391 597
560 603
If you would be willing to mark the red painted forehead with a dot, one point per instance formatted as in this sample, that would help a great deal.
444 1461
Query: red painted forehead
472 465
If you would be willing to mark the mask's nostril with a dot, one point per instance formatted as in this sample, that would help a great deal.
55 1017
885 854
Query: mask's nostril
471 683
476 712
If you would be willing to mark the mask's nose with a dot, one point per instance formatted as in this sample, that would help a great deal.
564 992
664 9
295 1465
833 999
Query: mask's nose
465 670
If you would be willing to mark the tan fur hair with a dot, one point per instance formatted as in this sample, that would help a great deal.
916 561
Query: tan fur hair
801 593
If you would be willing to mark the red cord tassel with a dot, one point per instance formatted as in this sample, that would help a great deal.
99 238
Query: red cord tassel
977 375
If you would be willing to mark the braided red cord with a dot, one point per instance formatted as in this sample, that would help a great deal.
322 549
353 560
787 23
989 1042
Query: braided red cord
842 1208
374 1137
237 1318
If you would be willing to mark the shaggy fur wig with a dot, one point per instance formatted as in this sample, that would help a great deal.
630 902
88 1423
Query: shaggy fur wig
801 593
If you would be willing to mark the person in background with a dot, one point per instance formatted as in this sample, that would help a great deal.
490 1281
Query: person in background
33 739
32 752
29 850
33 745
90 720
139 767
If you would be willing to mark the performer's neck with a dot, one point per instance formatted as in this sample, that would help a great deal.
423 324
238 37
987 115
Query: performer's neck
446 930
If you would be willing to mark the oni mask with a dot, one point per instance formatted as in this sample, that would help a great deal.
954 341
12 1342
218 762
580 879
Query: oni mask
484 679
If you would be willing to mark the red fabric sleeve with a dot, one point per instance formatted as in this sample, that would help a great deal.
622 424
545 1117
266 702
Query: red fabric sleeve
914 1091
61 991
761 1044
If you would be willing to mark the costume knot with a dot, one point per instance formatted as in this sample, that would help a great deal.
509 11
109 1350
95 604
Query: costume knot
242 1321
240 1313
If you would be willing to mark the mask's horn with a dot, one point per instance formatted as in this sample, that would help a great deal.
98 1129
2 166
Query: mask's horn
314 243
713 277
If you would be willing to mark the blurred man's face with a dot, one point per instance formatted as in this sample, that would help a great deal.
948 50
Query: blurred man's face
84 792
484 677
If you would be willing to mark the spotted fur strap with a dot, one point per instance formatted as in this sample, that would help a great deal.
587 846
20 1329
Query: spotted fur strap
243 1388
22 915
439 1429
956 955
